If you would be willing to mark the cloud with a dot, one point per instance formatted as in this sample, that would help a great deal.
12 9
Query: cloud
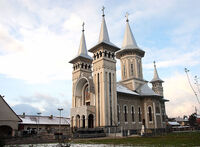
182 99
25 108
46 103
175 59
8 44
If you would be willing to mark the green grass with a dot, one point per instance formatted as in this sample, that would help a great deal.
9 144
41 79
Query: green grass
175 139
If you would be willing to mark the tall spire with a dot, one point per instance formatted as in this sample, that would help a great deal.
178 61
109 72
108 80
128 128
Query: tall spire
155 77
129 41
103 37
82 47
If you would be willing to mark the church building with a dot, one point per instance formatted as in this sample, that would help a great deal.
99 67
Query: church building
98 100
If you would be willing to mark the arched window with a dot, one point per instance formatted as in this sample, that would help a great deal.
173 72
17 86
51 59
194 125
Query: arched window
105 54
113 55
100 54
133 114
86 95
139 68
124 71
125 113
131 69
150 113
139 114
118 112
109 55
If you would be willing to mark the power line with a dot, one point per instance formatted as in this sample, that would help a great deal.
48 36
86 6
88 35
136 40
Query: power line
197 84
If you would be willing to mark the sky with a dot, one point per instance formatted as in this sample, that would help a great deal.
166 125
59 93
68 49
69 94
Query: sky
39 37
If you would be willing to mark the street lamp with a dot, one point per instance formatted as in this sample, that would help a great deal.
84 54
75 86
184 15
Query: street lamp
59 109
38 122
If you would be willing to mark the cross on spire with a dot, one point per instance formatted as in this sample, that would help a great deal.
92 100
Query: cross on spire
103 8
83 27
154 62
127 14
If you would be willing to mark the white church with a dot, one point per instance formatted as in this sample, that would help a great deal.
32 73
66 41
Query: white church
99 101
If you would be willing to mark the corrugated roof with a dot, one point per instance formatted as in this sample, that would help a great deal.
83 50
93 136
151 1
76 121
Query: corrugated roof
47 120
173 123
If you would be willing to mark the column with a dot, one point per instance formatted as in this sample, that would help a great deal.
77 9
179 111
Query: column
13 132
86 121
81 122
75 119
154 111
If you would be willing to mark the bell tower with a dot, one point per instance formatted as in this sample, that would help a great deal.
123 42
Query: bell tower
81 68
104 78
157 82
130 57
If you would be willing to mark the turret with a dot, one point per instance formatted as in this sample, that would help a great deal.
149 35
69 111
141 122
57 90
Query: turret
157 82
130 57
81 67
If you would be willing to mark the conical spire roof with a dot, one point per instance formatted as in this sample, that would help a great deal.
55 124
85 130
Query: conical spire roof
82 52
103 37
129 40
156 77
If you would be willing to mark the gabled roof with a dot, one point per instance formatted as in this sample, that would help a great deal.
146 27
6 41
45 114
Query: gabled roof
6 112
123 89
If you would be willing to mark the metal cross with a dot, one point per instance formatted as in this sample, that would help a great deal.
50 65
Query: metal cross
127 14
103 8
83 26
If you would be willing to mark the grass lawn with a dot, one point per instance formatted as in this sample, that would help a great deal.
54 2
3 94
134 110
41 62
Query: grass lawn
175 139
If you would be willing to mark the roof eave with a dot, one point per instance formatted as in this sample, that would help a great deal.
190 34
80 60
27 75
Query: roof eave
128 93
80 57
156 80
93 49
134 50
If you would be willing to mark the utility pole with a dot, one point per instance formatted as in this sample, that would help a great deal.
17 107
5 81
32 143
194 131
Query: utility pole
59 109
39 113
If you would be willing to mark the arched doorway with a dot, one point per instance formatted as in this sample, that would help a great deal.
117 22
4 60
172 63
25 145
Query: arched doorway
5 131
81 91
78 121
83 121
90 121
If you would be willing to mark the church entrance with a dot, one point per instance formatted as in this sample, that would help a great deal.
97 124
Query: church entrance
90 121
5 131
78 121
